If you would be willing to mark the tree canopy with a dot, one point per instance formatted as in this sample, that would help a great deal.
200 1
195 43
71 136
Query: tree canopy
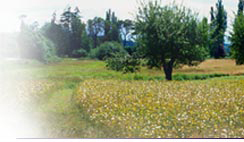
95 28
34 45
218 28
168 36
237 35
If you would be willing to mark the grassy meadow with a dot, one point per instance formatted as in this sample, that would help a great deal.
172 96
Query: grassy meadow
82 99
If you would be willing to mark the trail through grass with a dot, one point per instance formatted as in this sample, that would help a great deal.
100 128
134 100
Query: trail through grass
63 119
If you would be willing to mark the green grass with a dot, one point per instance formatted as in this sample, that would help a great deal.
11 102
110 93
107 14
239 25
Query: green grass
183 77
55 105
70 69
64 120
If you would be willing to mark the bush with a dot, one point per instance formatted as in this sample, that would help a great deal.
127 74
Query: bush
124 63
79 53
130 49
107 50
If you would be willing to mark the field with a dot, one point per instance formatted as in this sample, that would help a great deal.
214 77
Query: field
82 99
156 109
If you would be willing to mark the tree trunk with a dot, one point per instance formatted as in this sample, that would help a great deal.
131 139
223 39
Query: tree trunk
167 72
168 69
94 42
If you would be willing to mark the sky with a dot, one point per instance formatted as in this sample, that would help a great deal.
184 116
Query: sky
42 10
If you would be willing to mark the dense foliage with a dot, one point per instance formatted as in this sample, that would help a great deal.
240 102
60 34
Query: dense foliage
204 37
33 45
237 39
54 32
125 63
74 38
111 27
106 50
168 36
95 29
68 34
218 28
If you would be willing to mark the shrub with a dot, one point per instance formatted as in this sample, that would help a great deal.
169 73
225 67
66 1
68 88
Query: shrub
130 49
106 50
79 53
124 63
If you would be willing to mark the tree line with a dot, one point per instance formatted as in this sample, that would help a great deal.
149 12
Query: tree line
163 36
73 38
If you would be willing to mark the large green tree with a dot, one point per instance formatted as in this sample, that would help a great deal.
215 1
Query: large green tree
111 27
74 30
218 28
33 45
95 29
168 36
69 34
204 29
78 32
237 36
54 32
107 26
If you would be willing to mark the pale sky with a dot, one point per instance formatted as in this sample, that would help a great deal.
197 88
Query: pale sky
41 10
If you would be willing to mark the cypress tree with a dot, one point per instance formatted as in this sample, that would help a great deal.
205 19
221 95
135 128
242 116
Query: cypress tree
218 28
